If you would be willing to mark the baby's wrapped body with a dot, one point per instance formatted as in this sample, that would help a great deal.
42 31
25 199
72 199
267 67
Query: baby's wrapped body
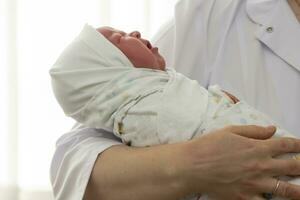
97 85
181 111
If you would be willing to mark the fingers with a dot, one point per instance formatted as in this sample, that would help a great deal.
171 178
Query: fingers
252 131
287 190
289 167
279 146
279 189
258 198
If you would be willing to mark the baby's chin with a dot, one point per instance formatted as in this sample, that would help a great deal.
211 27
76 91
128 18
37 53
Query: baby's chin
157 63
161 63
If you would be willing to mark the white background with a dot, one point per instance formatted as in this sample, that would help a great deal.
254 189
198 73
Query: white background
32 35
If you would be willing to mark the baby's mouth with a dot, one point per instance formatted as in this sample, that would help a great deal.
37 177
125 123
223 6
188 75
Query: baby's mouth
149 45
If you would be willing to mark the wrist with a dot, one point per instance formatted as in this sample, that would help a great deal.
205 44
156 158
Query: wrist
174 167
149 173
192 168
178 168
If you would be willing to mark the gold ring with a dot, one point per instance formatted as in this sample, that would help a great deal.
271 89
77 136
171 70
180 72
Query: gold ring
276 187
269 196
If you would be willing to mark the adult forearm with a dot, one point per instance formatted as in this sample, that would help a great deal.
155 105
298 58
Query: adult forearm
137 173
239 161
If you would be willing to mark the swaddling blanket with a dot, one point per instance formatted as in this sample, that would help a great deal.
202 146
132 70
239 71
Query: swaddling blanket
92 78
173 114
96 84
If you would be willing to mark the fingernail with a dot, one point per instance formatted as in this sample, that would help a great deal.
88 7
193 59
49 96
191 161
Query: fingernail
271 128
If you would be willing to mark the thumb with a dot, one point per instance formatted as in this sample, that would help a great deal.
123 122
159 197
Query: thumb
253 131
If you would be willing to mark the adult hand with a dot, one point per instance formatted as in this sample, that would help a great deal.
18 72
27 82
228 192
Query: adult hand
239 162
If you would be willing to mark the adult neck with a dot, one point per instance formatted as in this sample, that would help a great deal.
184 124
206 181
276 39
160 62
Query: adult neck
295 6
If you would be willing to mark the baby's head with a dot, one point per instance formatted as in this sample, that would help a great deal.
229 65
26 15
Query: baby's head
138 50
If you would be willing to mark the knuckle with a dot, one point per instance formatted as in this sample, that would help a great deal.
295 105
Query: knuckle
263 168
256 167
261 149
294 144
284 144
285 190
250 184
293 167
252 146
250 167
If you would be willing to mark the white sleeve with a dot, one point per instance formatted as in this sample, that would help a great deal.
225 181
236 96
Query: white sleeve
74 159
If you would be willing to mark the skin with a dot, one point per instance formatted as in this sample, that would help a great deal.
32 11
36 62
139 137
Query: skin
295 6
242 167
138 50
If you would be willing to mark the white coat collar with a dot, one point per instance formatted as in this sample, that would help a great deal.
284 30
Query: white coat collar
261 11
275 23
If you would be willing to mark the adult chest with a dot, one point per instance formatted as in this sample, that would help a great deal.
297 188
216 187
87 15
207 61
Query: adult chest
255 56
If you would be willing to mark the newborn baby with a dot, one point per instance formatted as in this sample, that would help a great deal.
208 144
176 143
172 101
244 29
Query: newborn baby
116 81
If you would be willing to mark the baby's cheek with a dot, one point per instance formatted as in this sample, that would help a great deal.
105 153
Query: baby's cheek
145 62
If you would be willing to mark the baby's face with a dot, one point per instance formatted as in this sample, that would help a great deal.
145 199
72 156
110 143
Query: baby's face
138 50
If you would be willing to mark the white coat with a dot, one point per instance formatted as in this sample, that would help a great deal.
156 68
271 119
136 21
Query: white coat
250 48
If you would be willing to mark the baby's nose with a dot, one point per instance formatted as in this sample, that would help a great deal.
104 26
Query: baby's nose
135 34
